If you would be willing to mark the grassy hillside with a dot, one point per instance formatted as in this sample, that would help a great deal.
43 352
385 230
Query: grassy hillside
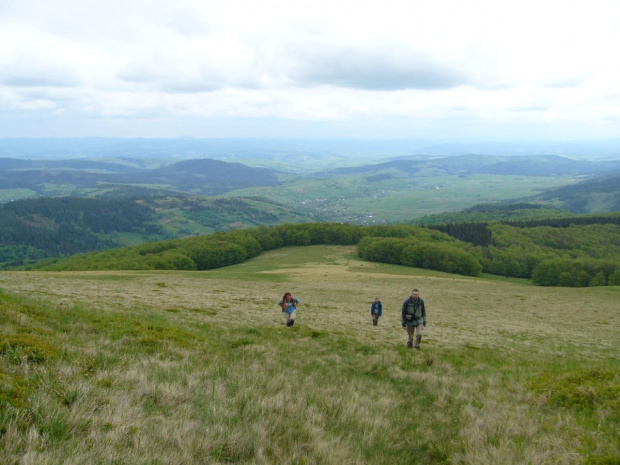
198 367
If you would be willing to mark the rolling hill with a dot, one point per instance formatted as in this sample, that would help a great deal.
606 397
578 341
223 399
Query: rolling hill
539 165
597 194
87 177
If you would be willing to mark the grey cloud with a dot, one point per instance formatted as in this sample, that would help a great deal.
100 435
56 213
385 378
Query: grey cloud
135 76
375 71
39 79
172 84
59 95
301 67
170 80
189 86
33 71
534 107
566 82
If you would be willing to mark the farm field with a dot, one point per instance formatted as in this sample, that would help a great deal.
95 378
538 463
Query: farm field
359 201
199 367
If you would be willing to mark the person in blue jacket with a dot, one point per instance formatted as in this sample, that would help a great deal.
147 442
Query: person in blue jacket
288 304
376 311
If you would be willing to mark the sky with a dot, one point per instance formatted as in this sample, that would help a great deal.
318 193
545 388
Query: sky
449 70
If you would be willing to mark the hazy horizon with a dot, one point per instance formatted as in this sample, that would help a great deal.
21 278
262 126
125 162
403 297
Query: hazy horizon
258 150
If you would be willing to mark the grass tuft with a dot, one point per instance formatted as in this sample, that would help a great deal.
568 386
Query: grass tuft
29 347
584 389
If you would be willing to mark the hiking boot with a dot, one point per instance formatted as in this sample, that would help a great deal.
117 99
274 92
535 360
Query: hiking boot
409 344
418 338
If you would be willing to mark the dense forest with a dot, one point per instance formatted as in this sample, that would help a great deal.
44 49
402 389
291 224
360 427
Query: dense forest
577 255
53 227
494 212
479 233
33 229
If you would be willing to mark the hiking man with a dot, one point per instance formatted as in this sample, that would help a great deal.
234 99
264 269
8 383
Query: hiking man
288 304
413 317
376 311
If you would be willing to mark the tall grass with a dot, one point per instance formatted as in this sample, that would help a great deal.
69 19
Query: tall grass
198 367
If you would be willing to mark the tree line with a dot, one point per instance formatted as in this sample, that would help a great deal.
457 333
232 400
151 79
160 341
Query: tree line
579 255
478 233
208 252
493 212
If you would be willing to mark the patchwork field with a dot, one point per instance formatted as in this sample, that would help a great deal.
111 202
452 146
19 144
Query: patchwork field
199 367
360 201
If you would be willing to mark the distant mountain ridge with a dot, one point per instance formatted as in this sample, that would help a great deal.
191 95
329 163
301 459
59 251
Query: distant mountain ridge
231 149
122 177
539 165
71 163
203 176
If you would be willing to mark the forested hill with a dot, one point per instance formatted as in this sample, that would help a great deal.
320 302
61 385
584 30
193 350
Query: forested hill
539 165
473 224
32 229
601 193
494 212
202 176
46 227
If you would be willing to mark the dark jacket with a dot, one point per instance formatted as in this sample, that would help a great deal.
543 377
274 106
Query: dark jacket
376 307
413 313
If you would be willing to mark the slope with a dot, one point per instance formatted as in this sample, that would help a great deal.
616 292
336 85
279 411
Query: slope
186 367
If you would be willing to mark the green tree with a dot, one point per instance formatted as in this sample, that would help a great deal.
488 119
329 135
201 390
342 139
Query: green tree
614 278
598 279
547 272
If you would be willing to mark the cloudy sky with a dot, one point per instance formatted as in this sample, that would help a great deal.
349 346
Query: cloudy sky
432 69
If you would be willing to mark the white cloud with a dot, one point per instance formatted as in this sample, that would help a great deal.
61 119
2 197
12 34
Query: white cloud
441 63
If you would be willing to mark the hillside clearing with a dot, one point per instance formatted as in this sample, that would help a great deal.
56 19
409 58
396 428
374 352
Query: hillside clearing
198 367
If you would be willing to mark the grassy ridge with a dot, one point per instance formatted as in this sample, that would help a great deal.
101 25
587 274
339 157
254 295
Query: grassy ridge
198 367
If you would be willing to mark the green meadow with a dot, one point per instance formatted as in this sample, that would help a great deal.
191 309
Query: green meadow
176 367
8 195
399 198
